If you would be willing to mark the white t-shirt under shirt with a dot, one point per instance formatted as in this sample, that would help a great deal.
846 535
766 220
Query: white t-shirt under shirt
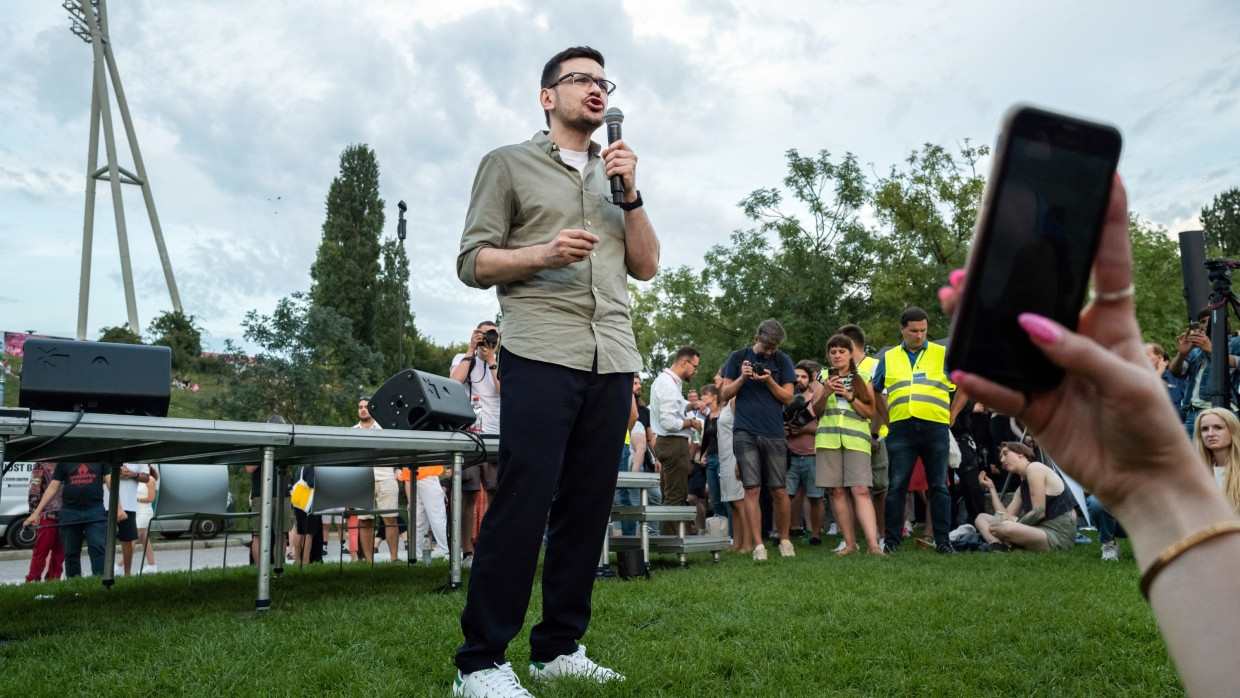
128 488
576 159
381 473
482 386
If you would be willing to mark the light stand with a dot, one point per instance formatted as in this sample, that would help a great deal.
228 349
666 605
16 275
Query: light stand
1219 272
400 306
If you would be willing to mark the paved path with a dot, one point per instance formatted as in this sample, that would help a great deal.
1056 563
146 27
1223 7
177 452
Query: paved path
170 556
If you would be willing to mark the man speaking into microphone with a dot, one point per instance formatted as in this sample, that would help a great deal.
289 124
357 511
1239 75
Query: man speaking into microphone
544 229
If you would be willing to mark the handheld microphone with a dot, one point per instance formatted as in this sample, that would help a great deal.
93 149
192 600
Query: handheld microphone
613 118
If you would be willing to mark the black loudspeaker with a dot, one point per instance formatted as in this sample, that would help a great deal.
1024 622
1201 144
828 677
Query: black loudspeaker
416 400
64 375
1193 268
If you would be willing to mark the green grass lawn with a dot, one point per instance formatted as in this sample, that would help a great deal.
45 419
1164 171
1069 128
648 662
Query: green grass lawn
982 624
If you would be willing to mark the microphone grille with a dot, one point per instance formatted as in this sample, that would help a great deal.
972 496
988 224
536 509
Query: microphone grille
613 116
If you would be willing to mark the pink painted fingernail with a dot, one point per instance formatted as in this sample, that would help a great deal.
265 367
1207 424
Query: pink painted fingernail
1040 328
945 292
955 277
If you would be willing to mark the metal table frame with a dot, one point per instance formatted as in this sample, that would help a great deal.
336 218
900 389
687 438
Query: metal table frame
118 439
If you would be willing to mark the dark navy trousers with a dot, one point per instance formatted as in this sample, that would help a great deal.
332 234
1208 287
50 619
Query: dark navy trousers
561 433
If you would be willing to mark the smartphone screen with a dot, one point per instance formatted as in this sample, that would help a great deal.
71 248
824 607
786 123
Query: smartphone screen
1034 244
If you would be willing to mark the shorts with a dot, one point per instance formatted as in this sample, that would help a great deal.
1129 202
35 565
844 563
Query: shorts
879 469
387 496
307 524
127 530
842 467
145 514
1060 531
801 473
697 481
479 477
256 504
763 460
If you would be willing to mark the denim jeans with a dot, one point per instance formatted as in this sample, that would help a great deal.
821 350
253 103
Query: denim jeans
718 506
624 495
908 439
1108 527
77 525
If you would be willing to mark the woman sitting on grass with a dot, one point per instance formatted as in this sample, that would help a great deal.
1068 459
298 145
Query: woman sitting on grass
1213 433
1041 515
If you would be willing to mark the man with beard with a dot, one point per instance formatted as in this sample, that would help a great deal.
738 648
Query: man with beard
543 228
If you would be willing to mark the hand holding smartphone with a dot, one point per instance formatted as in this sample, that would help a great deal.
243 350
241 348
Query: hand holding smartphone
1036 236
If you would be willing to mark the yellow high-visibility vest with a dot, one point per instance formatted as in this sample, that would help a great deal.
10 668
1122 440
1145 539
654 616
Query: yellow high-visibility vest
921 391
841 427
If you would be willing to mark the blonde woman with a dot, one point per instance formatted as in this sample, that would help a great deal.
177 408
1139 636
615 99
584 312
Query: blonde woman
146 510
1215 433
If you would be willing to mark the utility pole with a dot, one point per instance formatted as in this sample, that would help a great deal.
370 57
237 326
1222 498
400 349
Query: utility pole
90 23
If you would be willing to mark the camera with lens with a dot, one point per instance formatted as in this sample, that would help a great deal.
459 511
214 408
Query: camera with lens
796 414
759 368
491 337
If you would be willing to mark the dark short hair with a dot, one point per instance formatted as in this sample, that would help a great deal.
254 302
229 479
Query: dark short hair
1018 447
487 323
771 332
855 333
364 398
686 352
811 368
551 70
913 314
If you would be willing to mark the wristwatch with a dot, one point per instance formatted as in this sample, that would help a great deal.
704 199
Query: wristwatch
493 366
630 206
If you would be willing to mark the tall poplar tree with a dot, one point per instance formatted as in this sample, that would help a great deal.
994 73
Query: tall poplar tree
346 268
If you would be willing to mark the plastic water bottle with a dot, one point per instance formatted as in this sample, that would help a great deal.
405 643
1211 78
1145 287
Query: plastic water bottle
477 425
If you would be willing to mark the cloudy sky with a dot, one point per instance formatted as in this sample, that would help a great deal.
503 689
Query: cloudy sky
242 110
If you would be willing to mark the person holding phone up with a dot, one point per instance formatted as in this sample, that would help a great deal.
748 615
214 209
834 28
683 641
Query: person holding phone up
1192 363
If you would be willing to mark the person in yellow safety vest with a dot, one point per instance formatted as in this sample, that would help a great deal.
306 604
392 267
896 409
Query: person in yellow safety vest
878 427
919 408
842 444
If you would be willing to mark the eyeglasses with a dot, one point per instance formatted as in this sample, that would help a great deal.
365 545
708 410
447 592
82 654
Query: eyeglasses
583 81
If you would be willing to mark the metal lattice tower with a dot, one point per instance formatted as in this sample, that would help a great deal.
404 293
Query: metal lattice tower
90 23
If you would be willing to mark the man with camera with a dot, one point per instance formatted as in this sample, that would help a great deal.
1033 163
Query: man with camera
800 426
1192 365
478 369
673 427
761 378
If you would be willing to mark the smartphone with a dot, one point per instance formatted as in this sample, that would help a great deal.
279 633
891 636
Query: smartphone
1194 326
1034 244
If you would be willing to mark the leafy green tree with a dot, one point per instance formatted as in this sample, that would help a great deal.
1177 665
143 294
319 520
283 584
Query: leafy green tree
1221 221
1161 310
119 334
346 267
176 330
927 209
310 369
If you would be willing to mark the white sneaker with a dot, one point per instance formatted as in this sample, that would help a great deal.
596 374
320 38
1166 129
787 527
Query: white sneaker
834 530
1110 551
500 682
575 664
467 561
150 569
439 553
840 547
786 549
759 553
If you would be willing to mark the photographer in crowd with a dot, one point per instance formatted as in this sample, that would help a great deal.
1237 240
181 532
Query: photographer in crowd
1192 365
761 378
478 370
800 425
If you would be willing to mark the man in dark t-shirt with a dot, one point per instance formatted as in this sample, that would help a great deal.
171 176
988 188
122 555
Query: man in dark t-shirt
761 378
82 516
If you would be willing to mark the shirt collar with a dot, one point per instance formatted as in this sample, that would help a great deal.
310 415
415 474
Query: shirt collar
549 147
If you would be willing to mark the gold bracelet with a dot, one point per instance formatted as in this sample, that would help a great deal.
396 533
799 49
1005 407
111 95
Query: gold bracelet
1181 546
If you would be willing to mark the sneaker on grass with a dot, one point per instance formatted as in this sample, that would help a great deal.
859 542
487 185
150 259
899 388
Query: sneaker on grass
786 549
1110 551
759 553
500 682
890 547
575 664
840 547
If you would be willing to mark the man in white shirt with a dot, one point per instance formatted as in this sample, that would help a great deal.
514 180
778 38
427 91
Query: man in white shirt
387 496
477 369
127 530
672 425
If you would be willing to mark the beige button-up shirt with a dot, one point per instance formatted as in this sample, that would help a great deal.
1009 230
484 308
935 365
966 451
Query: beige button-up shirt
524 195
